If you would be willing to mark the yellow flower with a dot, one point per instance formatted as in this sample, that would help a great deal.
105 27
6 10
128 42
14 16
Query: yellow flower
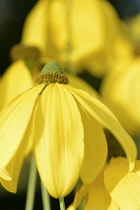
113 189
63 127
120 92
15 80
98 23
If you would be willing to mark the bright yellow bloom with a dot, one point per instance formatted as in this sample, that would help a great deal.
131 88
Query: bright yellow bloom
92 28
63 127
120 91
15 80
113 189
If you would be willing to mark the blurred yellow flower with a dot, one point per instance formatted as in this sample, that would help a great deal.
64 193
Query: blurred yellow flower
133 30
118 49
15 80
113 189
63 127
92 31
120 92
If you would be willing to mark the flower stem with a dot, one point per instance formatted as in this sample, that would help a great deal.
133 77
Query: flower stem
45 198
62 203
31 186
81 207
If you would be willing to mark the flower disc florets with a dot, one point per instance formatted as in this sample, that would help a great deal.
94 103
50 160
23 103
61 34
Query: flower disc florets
114 148
52 73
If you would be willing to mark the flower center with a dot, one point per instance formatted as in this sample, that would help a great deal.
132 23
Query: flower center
114 148
24 52
52 72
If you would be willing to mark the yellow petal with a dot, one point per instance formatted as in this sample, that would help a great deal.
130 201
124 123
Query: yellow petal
71 207
113 206
98 198
95 196
95 152
14 120
15 165
123 96
36 26
92 16
14 168
77 82
4 174
102 114
30 132
132 26
59 152
123 187
44 23
14 81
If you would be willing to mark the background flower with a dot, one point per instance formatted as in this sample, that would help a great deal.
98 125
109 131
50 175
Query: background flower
120 92
114 188
16 79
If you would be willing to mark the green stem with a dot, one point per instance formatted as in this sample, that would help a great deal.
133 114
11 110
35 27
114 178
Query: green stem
45 198
62 203
81 207
79 183
31 186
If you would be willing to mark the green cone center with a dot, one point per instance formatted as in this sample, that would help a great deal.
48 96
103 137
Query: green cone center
52 72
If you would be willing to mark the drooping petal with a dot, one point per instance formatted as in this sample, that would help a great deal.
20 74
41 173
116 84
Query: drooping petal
98 197
113 206
14 81
102 114
15 165
30 132
14 168
59 152
4 174
78 82
95 196
95 152
123 187
14 120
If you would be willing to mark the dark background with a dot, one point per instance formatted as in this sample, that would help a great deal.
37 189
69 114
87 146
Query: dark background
12 16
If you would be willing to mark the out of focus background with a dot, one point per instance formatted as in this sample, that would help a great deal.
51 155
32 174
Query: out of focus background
13 14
